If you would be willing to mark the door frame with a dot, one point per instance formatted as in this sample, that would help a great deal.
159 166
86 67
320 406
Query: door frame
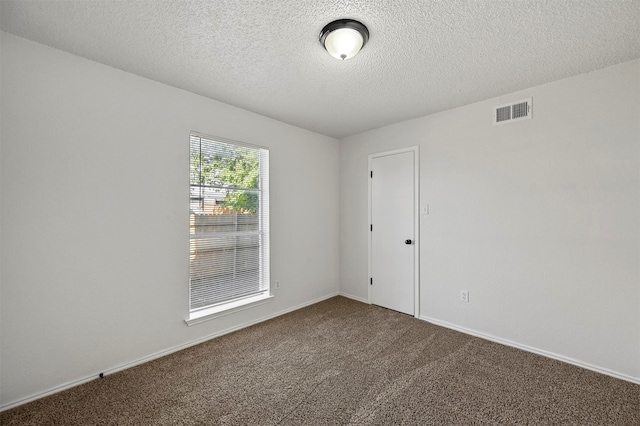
416 221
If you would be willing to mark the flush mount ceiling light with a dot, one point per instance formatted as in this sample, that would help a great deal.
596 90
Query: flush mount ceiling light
344 38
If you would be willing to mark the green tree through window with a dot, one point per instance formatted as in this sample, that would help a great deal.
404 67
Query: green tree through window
233 171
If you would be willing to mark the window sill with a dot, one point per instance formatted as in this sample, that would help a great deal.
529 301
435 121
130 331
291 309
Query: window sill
227 308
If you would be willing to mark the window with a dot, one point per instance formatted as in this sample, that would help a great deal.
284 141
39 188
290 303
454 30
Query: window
228 224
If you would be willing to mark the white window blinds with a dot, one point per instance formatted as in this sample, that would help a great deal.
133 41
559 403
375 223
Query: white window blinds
229 221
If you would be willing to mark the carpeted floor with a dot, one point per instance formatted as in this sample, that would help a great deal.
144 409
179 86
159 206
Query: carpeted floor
343 362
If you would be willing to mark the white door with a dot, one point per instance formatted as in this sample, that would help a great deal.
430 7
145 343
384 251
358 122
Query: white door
393 247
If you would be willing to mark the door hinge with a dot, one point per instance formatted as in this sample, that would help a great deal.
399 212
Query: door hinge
370 281
371 227
371 173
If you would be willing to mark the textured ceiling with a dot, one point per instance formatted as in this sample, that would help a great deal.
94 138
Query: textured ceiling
264 56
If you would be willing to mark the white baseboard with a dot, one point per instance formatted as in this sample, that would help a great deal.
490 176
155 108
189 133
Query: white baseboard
159 354
351 296
532 350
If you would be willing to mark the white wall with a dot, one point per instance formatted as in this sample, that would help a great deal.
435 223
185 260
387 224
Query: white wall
94 216
538 219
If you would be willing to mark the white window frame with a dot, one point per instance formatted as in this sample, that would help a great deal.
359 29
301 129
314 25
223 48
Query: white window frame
207 313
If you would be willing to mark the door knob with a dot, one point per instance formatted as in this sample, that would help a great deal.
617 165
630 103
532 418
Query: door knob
407 241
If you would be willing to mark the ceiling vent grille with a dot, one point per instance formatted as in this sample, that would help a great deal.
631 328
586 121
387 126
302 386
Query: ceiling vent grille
516 111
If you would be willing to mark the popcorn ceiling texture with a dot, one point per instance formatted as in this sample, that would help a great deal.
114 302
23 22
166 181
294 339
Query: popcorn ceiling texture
264 56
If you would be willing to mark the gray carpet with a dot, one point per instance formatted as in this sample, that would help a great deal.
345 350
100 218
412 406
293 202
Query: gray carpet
343 362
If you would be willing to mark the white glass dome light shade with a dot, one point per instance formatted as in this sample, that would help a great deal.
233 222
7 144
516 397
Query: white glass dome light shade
344 38
344 43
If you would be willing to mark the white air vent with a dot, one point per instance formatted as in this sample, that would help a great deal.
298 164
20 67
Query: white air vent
516 111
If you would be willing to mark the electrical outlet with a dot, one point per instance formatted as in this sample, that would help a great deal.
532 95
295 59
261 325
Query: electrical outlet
464 296
277 284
